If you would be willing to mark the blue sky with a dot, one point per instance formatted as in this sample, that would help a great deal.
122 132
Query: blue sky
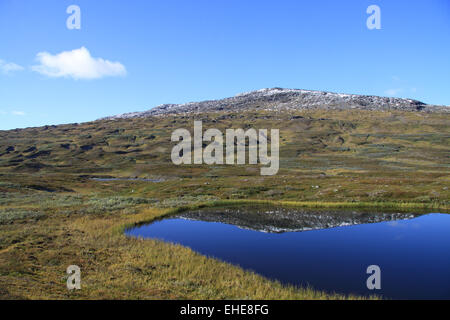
146 53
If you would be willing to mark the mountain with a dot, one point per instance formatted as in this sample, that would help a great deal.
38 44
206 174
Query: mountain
278 99
333 147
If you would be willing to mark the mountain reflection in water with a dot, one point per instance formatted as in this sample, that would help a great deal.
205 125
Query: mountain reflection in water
278 220
411 249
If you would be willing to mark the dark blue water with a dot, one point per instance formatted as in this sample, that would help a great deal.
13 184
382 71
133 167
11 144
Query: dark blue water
414 255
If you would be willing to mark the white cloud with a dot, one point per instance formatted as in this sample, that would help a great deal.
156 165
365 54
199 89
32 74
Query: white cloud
9 67
77 64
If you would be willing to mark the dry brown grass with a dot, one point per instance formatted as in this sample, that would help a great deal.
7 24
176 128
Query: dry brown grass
116 267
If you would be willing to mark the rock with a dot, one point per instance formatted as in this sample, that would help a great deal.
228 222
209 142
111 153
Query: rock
278 99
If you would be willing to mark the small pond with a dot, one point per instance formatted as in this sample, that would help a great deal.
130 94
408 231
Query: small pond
327 250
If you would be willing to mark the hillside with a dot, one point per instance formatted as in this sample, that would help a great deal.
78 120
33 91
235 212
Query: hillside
335 151
278 99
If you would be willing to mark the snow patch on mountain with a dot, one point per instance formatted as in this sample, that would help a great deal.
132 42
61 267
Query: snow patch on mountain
278 99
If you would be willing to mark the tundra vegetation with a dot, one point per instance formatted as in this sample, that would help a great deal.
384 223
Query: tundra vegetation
54 214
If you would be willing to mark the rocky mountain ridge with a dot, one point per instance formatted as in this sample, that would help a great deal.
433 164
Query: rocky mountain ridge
278 99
